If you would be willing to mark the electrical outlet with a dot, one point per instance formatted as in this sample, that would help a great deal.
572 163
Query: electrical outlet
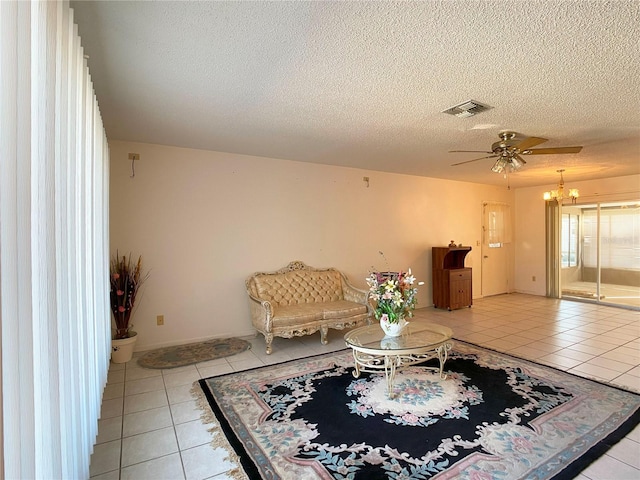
134 156
160 319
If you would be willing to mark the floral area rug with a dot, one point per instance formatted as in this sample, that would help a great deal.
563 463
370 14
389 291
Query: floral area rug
493 417
181 355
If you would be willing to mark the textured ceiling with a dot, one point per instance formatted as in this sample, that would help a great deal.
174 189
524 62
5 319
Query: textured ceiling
363 84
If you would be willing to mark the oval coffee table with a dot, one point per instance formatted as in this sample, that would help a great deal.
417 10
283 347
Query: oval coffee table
373 352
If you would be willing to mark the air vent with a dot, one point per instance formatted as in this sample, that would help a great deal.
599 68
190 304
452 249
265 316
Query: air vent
467 109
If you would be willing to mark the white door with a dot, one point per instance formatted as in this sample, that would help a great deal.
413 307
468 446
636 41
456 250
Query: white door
494 270
495 260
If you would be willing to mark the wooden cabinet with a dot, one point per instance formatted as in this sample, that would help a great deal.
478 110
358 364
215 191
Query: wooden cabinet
451 280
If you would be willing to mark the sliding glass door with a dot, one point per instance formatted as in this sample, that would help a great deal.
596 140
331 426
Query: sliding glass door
600 253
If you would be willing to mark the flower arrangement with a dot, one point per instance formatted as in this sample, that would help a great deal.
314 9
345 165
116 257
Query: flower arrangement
126 277
394 295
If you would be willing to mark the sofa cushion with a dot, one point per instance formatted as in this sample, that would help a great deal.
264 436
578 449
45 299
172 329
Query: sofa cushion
285 315
342 309
299 287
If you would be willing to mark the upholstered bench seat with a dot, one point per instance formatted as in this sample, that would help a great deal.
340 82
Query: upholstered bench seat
300 300
342 309
314 312
296 314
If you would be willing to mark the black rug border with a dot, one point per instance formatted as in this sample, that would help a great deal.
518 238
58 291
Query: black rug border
600 382
576 467
246 459
569 472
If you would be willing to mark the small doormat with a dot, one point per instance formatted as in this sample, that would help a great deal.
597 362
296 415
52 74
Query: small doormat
181 355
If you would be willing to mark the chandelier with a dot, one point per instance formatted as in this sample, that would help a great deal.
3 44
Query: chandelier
559 194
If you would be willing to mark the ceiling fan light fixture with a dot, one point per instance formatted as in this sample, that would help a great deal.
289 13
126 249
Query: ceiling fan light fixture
516 164
499 165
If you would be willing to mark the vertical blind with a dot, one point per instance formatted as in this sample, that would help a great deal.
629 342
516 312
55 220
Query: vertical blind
55 332
619 231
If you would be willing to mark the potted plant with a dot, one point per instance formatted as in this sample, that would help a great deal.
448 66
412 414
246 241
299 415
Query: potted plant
393 295
126 278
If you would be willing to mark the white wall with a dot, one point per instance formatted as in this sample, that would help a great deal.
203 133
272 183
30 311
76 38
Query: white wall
204 221
530 223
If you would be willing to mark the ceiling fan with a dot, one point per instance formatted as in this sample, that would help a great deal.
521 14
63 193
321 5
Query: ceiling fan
509 151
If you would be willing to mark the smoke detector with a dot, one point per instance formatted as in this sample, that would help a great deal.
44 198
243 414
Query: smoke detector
467 109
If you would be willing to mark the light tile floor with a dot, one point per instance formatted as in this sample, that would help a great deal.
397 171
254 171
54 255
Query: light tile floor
150 424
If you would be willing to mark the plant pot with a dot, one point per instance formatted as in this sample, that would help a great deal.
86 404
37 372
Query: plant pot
122 349
393 329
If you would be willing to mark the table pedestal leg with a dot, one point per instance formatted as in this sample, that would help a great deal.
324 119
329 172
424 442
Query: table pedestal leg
356 371
443 353
390 372
391 363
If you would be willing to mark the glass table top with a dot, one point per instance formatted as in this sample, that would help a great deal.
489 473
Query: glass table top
417 335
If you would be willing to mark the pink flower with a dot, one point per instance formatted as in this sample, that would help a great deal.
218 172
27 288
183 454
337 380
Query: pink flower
561 425
521 445
120 292
121 309
116 276
410 418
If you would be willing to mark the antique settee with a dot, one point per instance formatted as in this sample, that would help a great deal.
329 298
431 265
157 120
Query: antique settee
300 300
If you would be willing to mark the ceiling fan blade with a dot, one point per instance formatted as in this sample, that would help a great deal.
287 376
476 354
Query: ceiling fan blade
546 151
468 151
530 142
474 160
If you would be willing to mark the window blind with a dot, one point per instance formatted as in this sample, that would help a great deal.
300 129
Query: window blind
497 223
55 332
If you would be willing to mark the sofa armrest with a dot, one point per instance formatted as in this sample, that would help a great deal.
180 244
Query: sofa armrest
261 313
354 294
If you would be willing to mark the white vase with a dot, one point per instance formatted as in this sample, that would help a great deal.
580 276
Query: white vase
122 348
393 329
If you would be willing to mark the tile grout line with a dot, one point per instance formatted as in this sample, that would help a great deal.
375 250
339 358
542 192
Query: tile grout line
173 424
